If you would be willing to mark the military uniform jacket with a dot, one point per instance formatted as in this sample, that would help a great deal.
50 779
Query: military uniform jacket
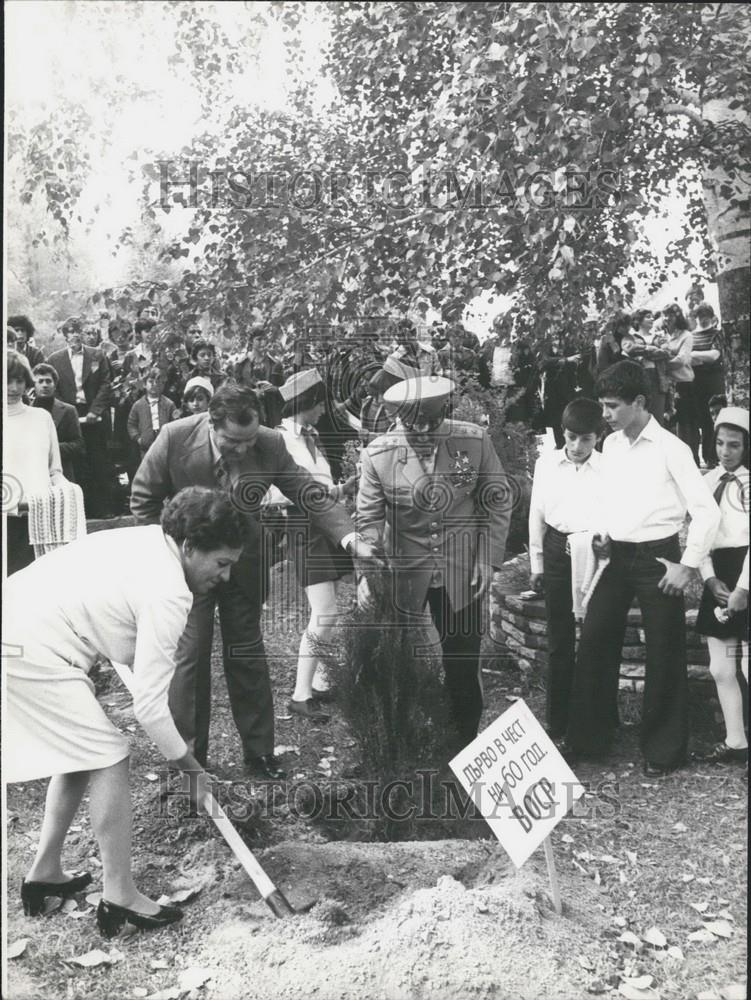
433 525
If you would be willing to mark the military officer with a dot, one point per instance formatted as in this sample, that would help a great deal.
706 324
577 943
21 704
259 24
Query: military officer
433 492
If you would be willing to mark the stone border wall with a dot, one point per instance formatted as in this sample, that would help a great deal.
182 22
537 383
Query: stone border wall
521 627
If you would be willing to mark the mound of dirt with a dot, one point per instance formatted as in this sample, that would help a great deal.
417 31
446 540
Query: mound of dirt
444 920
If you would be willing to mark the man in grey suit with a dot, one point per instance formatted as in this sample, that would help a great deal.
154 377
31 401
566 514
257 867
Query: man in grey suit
433 492
228 448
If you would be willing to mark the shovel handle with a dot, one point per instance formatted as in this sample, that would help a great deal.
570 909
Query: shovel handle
238 847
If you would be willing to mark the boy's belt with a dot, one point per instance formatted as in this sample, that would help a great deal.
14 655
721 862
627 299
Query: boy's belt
655 543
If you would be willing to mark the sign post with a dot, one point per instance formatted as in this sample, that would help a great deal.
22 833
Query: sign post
521 784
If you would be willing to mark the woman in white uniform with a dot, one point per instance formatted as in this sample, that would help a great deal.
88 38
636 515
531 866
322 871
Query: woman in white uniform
124 594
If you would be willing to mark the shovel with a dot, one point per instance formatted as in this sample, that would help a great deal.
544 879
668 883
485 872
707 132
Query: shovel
274 898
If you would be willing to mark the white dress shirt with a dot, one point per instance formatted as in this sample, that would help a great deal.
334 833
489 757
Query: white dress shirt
567 496
650 486
501 371
76 361
734 508
154 407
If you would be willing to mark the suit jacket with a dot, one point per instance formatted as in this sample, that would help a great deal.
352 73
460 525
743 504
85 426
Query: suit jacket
140 428
182 456
33 355
69 437
97 379
439 522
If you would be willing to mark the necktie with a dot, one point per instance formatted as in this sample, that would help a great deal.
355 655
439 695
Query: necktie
310 436
222 475
722 486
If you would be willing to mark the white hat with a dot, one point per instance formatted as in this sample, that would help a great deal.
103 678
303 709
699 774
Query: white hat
199 382
297 384
427 388
734 415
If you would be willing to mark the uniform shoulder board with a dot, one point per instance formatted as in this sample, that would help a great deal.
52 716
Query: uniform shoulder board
463 428
384 442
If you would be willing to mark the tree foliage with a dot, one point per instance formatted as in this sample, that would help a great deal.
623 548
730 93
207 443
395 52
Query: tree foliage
509 147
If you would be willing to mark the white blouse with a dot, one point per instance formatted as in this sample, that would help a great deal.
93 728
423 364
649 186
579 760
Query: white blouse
31 454
733 531
296 445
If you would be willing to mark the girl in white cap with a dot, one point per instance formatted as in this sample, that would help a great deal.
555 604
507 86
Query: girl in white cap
723 612
319 564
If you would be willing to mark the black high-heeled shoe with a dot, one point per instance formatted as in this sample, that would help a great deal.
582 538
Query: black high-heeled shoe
111 918
33 894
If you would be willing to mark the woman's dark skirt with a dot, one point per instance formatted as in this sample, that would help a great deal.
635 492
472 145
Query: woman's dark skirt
727 567
315 558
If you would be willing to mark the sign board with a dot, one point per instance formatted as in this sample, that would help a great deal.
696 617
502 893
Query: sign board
518 780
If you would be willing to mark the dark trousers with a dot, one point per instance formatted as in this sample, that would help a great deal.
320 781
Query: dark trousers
96 470
245 669
460 633
633 572
561 631
686 416
19 551
707 383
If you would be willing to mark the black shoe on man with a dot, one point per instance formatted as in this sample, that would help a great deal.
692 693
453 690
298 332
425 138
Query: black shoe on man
267 767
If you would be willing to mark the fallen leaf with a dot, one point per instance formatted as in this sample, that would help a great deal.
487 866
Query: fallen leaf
639 982
699 907
631 855
708 995
278 751
655 937
675 953
116 955
158 963
628 937
139 991
328 749
91 959
193 978
620 921
597 986
284 718
172 993
585 963
52 904
720 928
687 878
567 838
69 905
634 993
726 915
702 936
610 860
598 880
680 827
78 914
151 776
733 991
622 878
17 949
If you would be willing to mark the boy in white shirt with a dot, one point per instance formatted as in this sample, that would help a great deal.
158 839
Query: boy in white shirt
567 496
651 483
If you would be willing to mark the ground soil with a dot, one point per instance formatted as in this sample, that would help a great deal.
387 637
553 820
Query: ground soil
444 918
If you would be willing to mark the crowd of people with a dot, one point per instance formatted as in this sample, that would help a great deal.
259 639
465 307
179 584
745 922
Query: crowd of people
188 427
